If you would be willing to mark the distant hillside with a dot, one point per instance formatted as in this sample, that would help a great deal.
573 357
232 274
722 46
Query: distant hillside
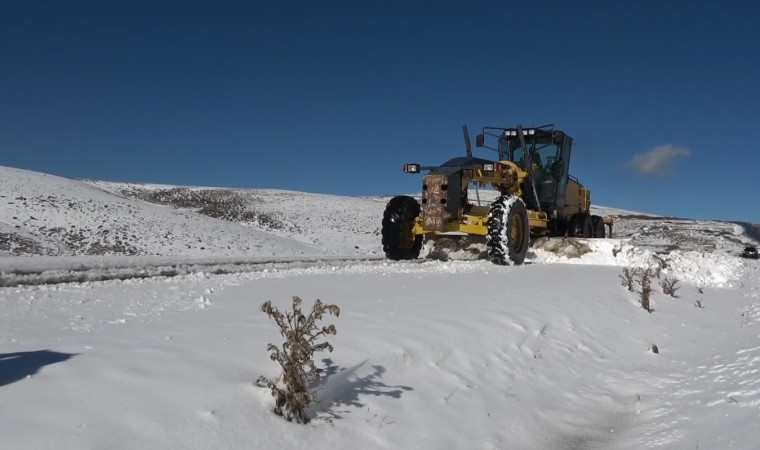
42 214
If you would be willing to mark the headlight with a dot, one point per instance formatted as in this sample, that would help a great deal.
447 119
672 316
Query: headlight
411 168
488 167
526 132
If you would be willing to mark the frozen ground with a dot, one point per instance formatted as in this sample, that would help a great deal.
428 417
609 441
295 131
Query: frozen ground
430 355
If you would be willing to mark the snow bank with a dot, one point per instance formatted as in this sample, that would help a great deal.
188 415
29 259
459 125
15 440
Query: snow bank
705 269
698 268
610 252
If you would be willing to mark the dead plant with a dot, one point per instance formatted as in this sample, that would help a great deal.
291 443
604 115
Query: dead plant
301 333
627 277
645 282
669 286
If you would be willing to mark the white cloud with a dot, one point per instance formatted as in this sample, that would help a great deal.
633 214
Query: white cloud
658 161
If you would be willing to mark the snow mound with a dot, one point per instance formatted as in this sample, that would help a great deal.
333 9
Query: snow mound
704 269
565 247
609 252
699 268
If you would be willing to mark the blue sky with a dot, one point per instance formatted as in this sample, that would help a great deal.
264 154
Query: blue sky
660 96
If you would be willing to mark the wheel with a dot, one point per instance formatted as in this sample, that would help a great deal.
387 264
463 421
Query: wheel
580 226
508 231
597 225
398 219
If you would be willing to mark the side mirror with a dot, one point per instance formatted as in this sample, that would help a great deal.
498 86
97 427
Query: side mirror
558 168
480 140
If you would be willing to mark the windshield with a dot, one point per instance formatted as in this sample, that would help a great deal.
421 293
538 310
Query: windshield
543 152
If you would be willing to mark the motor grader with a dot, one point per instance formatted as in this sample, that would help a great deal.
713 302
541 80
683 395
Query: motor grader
535 196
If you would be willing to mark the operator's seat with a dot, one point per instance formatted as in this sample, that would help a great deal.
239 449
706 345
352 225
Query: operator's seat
536 159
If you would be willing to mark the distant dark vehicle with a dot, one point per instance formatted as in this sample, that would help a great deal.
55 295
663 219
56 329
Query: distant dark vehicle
750 252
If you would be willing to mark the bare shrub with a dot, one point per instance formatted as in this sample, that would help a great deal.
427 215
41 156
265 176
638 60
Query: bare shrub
627 277
645 282
224 204
669 286
272 221
301 333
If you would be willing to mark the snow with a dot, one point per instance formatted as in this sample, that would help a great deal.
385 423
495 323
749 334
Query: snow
553 354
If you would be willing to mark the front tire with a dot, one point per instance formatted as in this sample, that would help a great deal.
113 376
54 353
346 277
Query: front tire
398 220
508 231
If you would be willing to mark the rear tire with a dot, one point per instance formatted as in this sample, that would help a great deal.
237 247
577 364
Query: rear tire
398 220
580 226
597 224
508 231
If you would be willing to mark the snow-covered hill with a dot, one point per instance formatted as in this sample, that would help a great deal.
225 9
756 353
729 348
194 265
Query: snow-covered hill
554 354
43 214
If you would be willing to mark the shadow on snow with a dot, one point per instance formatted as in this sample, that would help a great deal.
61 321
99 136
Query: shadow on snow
342 388
17 366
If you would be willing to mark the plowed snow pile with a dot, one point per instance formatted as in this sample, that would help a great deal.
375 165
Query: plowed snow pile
699 268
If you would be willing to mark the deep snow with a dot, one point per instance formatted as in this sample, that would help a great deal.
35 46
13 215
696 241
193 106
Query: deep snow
553 354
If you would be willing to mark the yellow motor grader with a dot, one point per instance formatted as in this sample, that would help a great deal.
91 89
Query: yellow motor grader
535 196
